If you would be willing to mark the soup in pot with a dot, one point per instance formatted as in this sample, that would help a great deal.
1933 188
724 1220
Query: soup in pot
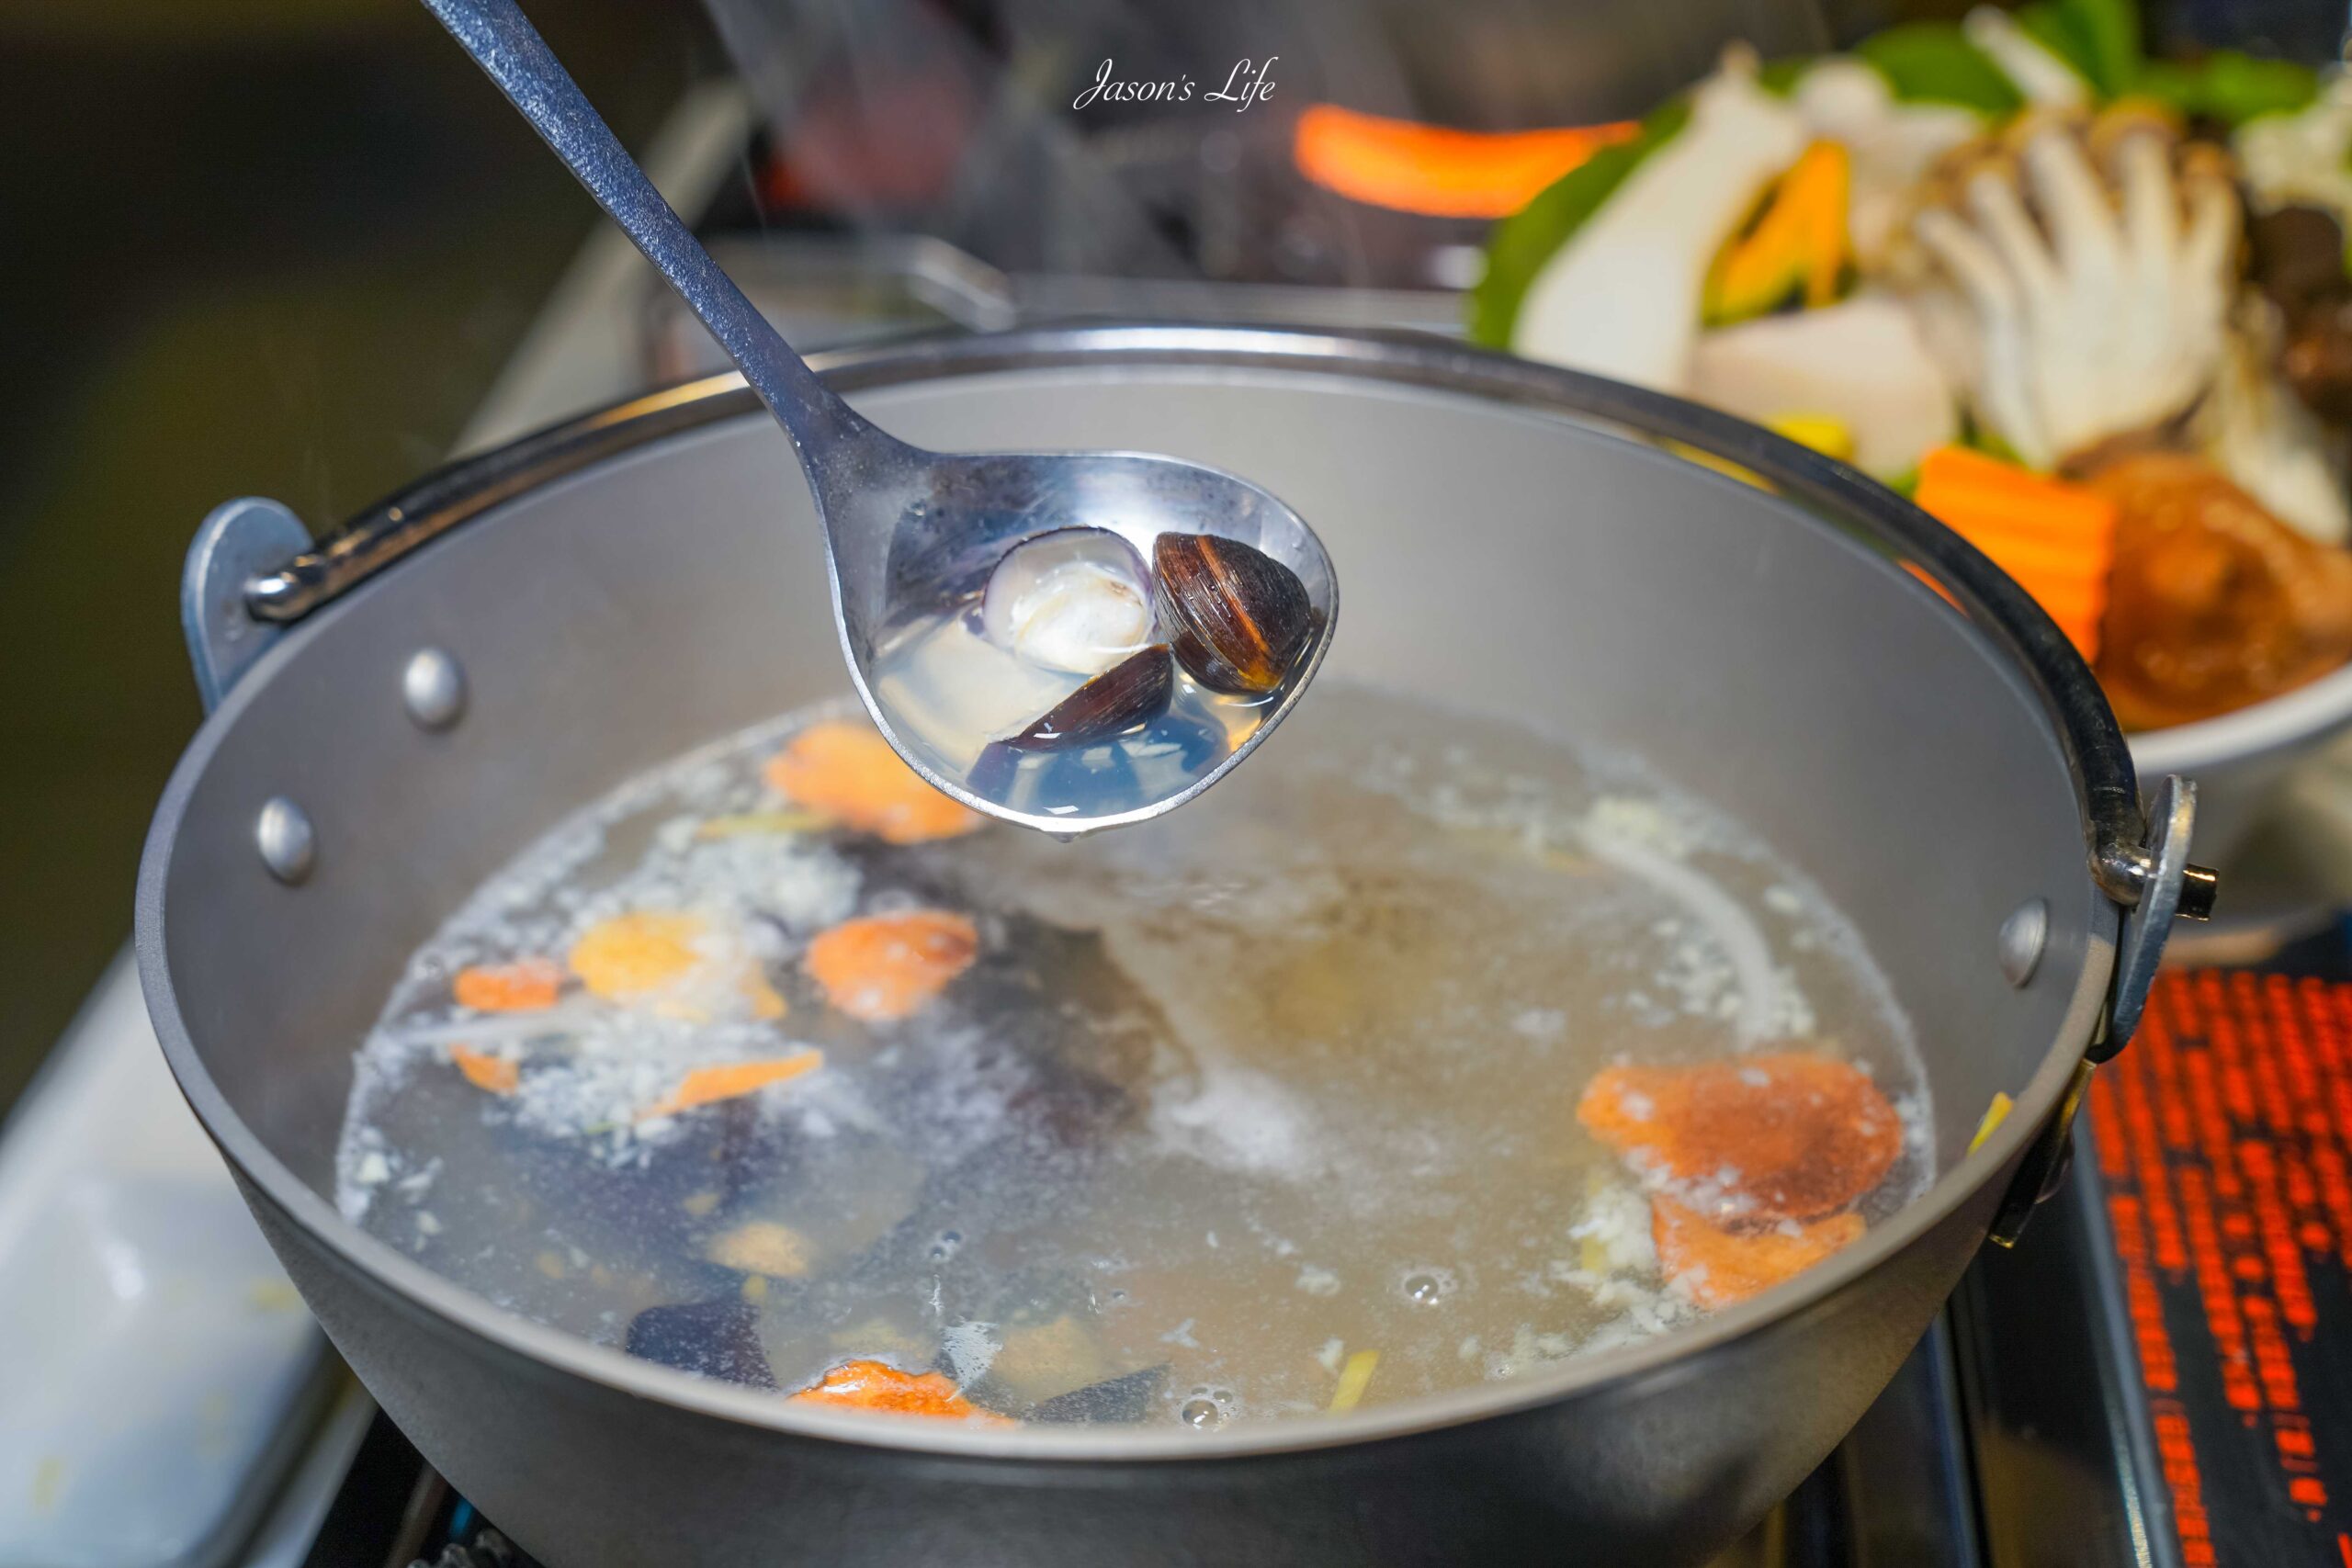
1424 1052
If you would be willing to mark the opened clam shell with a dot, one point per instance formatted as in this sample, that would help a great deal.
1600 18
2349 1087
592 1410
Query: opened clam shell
1076 599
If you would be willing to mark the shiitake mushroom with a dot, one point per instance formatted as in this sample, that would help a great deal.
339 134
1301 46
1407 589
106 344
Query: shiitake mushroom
1236 618
1132 692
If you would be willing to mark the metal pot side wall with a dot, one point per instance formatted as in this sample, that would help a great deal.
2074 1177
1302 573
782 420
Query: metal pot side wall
1495 554
1664 1470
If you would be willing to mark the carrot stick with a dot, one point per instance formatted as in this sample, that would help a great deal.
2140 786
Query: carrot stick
707 1086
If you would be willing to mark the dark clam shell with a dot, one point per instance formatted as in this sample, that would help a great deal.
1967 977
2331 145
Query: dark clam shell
715 1339
1130 693
1237 618
1124 1398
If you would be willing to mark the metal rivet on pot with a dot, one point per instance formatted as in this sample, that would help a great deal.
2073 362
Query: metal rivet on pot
2023 936
284 836
434 688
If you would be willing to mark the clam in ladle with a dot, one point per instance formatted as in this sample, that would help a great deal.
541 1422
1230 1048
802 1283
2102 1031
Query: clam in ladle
1068 641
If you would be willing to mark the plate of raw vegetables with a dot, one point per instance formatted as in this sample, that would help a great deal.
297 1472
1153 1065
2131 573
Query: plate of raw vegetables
2091 309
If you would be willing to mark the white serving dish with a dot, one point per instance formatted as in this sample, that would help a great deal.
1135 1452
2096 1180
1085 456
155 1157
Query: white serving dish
2240 758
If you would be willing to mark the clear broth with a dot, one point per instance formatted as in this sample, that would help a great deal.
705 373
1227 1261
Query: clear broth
1226 1099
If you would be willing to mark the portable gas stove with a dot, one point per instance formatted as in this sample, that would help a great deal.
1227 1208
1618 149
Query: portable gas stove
2155 1377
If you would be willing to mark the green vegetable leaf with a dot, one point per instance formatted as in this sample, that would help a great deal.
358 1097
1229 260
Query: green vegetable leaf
2228 86
1934 62
2100 39
1780 77
2238 87
1522 242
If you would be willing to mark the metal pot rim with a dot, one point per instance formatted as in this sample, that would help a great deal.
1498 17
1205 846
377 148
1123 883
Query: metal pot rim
2098 762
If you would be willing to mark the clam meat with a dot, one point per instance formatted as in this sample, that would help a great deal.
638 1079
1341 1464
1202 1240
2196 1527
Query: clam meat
1075 600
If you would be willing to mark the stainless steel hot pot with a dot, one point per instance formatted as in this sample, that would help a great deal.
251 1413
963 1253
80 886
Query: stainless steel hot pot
403 708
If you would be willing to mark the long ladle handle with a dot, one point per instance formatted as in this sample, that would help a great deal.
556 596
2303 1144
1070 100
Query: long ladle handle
511 52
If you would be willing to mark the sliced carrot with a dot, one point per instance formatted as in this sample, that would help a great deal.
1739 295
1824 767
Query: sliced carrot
1965 468
882 967
493 1075
1719 1267
2057 539
630 955
876 1386
1790 1136
1430 169
707 1086
849 773
527 984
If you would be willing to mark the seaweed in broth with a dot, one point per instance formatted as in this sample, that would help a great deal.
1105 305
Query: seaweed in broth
1258 1109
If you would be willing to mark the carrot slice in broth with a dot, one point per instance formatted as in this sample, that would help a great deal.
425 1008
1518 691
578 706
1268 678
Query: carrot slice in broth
709 1086
630 955
876 1386
495 1075
1787 1136
527 984
849 773
1719 1267
885 967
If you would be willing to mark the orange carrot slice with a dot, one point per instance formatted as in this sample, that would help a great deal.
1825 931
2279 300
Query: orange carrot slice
2057 539
876 1386
849 773
1719 1267
495 1075
1434 170
709 1086
630 955
1789 1136
527 984
882 967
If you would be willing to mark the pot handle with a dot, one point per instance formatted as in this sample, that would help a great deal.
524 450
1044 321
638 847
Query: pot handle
238 541
2167 885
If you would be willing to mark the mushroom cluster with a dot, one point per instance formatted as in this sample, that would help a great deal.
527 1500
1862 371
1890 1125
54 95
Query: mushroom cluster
1997 262
1084 602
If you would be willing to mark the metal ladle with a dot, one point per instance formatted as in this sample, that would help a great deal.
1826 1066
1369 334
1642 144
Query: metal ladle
907 531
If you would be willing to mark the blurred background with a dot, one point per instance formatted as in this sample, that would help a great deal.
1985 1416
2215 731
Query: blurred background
285 247
255 247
